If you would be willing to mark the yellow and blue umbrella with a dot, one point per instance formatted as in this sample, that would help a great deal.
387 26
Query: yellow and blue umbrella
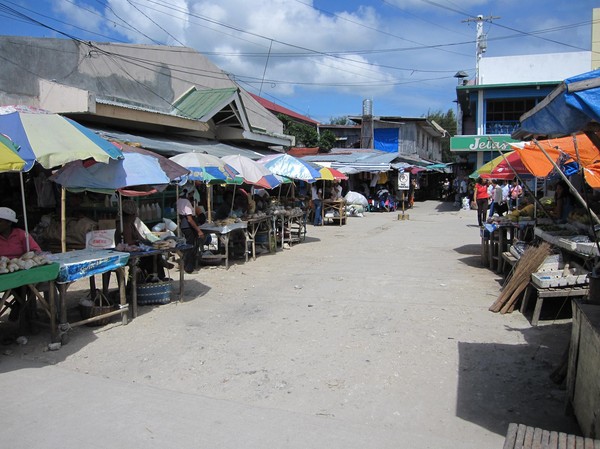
51 139
9 156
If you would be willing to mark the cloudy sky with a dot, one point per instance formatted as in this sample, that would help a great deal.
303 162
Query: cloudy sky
322 58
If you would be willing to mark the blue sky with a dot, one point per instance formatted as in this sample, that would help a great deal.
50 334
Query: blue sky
322 58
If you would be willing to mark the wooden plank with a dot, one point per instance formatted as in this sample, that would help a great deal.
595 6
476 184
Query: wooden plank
537 438
511 436
596 444
520 436
579 441
570 442
562 440
553 441
588 443
528 442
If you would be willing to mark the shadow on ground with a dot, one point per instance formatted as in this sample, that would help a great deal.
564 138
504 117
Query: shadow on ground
18 356
499 383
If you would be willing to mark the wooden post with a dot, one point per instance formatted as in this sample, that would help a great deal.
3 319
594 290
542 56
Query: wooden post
63 220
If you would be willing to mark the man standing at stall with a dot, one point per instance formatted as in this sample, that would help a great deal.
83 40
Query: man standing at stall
190 229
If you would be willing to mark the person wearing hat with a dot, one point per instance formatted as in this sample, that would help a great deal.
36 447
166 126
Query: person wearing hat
13 241
190 229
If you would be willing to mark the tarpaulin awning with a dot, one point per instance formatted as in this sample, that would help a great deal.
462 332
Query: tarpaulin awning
560 150
568 109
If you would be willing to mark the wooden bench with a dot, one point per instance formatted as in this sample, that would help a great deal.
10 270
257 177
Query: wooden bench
520 436
540 294
507 260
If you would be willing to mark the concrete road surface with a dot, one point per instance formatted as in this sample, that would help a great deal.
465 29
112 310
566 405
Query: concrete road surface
375 334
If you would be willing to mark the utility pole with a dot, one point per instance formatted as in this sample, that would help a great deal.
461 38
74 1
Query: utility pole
481 40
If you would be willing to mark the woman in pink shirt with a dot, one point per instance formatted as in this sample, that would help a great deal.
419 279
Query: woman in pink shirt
481 198
13 241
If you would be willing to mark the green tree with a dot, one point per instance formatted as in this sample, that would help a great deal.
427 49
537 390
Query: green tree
327 141
307 136
341 120
448 122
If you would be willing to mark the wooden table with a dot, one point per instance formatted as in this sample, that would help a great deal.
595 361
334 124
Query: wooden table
291 227
223 233
256 226
86 263
30 279
338 206
541 294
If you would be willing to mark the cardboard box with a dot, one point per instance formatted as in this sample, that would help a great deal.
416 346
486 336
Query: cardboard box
107 224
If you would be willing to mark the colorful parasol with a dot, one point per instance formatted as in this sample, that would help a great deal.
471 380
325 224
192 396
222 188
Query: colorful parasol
252 172
207 168
505 166
331 174
9 157
51 139
291 167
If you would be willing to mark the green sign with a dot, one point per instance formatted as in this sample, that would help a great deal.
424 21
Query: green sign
481 143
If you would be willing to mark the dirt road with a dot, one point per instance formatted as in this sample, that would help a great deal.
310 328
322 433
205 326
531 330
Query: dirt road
376 334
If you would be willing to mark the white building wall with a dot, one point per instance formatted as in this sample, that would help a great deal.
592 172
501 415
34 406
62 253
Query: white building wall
534 68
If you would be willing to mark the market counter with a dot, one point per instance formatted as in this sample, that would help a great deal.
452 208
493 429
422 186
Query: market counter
223 235
30 279
86 263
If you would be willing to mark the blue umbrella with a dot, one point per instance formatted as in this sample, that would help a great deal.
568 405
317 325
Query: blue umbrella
291 167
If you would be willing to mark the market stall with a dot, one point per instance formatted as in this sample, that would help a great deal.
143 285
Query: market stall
22 284
224 230
85 264
157 291
257 226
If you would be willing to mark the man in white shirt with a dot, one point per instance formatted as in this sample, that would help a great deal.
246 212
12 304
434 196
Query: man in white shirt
317 199
190 229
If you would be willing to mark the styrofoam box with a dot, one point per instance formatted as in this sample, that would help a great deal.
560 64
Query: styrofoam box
587 248
547 279
553 262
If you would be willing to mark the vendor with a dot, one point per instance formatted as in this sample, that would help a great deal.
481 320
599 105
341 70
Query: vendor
190 229
13 241
132 236
564 201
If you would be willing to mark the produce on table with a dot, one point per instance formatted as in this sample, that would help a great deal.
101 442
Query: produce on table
25 262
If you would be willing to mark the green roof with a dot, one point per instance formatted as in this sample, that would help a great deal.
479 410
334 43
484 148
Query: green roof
197 104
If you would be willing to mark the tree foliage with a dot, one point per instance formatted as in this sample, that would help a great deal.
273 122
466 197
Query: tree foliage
307 136
447 121
341 120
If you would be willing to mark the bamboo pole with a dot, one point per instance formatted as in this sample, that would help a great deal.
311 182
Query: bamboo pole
24 211
63 220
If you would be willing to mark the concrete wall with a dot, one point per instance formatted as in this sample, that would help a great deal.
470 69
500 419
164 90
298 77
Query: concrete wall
534 68
145 75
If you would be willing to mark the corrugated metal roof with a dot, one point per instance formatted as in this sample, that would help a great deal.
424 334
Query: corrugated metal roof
199 103
278 109
361 160
170 145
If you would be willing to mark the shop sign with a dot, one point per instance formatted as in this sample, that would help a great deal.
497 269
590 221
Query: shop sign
481 143
104 239
403 181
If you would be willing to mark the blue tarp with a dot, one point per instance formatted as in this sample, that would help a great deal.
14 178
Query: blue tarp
567 109
386 139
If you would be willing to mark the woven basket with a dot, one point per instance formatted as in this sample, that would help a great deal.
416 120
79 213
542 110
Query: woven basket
154 293
101 306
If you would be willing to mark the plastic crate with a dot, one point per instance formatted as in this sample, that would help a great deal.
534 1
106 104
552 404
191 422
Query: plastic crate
547 279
